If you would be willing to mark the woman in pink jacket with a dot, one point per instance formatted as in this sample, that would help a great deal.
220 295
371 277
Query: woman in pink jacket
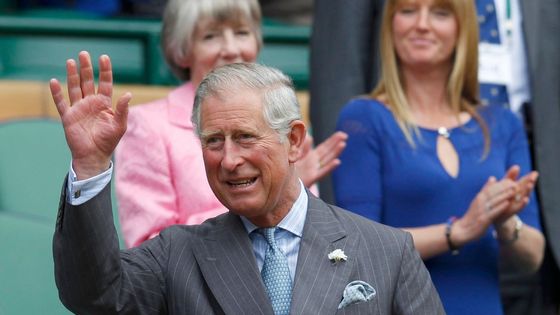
160 176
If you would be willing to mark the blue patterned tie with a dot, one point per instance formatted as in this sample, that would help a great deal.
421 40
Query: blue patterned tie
489 33
276 275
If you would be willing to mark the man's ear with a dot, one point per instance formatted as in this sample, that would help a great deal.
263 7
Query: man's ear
296 137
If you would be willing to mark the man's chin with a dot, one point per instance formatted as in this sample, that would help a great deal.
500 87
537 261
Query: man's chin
241 207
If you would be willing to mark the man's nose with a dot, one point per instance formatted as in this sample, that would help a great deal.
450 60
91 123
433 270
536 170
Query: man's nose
232 156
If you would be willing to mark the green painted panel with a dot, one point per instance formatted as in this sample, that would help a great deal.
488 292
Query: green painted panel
27 283
35 48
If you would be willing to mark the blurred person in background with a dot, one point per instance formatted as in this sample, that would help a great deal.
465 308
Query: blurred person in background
521 33
425 155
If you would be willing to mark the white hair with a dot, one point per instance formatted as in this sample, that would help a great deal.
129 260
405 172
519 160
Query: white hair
280 105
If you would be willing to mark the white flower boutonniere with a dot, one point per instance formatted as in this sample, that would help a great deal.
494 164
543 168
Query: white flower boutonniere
337 255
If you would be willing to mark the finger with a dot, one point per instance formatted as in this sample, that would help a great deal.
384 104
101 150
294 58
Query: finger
105 76
58 97
499 197
530 178
121 110
86 74
332 142
512 173
331 148
526 184
488 185
518 205
505 186
497 211
73 81
500 186
504 190
327 168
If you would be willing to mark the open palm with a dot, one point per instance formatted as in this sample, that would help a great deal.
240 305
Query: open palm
92 128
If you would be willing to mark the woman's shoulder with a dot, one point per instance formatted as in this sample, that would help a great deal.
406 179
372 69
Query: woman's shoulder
498 115
364 107
366 115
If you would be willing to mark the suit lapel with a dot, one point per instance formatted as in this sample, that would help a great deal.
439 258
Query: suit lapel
228 264
319 282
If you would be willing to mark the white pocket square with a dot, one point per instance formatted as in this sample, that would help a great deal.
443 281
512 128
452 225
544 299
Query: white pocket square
356 292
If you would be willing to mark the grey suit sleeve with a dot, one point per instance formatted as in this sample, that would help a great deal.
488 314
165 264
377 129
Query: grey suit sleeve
92 275
415 293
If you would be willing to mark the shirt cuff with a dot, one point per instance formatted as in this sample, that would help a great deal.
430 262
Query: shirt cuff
81 191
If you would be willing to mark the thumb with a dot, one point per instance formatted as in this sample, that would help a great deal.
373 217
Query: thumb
121 112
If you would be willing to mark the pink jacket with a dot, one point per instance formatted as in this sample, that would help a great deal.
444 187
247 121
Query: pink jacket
160 176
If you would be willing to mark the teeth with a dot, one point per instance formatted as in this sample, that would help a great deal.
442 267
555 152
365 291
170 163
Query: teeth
245 182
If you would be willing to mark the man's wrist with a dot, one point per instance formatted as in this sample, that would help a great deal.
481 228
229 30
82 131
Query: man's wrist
80 191
88 169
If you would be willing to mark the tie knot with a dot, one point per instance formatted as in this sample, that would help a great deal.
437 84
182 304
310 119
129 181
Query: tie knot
268 234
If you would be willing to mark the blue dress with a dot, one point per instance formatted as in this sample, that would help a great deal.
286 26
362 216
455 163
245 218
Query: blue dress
383 178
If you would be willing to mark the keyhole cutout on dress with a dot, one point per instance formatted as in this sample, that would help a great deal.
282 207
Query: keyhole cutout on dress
446 153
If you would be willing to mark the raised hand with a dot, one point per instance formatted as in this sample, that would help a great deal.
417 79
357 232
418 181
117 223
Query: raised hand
314 164
91 126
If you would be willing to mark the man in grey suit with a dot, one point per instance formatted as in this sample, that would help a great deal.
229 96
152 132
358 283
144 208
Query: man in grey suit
343 65
541 26
249 124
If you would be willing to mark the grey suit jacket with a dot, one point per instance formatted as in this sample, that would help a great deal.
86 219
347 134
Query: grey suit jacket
211 268
542 28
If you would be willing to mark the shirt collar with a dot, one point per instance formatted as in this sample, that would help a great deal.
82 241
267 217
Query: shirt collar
294 221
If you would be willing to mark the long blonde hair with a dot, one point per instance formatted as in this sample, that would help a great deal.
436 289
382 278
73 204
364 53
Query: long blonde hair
462 87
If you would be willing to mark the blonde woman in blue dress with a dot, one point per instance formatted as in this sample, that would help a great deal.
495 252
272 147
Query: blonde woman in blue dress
424 155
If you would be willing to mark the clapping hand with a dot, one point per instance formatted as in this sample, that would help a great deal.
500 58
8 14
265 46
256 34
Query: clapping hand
91 126
497 202
522 190
314 164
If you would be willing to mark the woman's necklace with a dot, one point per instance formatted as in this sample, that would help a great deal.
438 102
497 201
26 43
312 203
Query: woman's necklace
444 132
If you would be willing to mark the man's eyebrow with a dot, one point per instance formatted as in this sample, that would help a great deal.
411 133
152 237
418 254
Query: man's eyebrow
205 134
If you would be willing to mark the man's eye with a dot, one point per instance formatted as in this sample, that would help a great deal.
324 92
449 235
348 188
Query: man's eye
245 137
212 142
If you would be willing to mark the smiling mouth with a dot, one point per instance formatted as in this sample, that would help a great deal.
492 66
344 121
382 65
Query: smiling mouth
241 183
